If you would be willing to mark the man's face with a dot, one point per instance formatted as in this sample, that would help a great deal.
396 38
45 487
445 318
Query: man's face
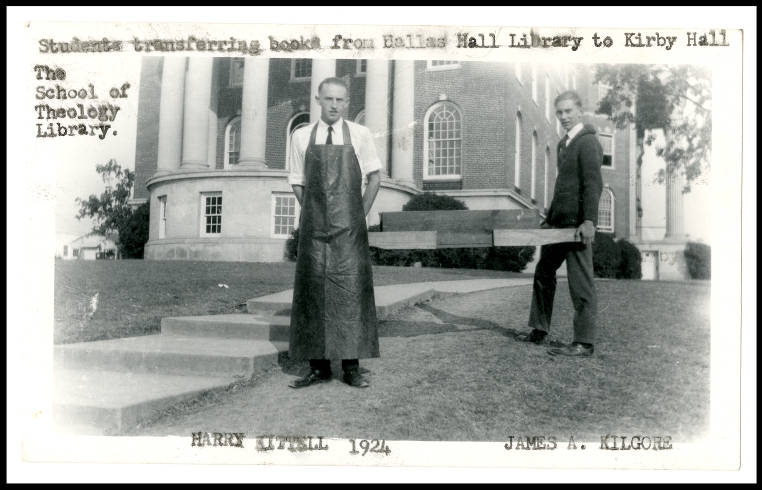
568 113
333 102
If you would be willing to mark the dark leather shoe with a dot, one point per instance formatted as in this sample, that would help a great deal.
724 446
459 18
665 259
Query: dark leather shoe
315 376
535 336
575 349
355 379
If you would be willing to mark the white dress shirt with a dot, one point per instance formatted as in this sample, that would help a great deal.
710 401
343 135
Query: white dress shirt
573 132
362 141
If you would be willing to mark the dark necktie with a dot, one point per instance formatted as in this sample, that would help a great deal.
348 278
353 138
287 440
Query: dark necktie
329 140
562 149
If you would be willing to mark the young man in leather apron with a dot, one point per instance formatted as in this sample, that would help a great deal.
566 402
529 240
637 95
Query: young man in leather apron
333 312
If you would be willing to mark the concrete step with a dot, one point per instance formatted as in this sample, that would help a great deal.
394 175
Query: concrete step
169 354
231 326
98 402
389 299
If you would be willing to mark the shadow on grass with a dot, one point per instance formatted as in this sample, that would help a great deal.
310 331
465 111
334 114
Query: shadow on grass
400 328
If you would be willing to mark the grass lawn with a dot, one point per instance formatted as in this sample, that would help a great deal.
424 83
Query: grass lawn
451 370
134 295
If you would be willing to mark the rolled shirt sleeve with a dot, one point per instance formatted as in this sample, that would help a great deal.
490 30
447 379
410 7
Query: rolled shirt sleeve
296 156
366 152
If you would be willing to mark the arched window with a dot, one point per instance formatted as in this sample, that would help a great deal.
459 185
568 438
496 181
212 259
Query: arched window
360 118
606 211
232 142
296 122
443 125
517 152
532 191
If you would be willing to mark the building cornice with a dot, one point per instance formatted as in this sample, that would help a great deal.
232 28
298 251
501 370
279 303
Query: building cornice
160 178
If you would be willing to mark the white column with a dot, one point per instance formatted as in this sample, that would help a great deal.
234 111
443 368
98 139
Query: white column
211 140
377 106
198 91
403 121
674 206
171 114
321 69
254 112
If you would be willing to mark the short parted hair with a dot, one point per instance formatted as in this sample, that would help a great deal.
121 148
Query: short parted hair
333 81
569 95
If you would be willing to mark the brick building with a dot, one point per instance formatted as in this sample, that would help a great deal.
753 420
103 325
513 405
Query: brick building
213 136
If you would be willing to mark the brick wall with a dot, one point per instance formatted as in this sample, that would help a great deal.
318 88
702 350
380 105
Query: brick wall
147 136
489 96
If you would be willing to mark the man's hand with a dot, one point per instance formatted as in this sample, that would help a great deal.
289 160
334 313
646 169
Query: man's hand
585 233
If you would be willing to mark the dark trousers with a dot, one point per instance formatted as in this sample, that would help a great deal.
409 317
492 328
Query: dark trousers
579 262
325 364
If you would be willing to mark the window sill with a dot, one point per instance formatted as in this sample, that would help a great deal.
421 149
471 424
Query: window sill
443 67
442 178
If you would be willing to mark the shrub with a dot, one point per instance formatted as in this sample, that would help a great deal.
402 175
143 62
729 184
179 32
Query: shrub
629 265
613 258
134 234
606 255
428 201
698 257
292 245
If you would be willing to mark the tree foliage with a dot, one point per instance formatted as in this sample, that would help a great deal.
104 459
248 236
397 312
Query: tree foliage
111 212
675 99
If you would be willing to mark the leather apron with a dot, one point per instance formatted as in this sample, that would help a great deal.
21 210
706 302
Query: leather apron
333 312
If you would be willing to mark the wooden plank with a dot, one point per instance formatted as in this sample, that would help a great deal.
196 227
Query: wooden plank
403 240
456 239
544 236
460 221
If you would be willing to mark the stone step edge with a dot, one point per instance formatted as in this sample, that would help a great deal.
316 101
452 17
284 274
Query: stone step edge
119 420
281 309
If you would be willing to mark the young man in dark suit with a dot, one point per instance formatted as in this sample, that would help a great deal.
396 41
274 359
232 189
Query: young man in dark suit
575 204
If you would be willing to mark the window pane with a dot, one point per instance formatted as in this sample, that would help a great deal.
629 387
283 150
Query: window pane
444 140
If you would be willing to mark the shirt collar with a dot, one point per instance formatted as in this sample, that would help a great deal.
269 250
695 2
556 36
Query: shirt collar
573 131
336 126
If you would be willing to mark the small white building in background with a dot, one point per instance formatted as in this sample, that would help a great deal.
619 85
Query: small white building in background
86 247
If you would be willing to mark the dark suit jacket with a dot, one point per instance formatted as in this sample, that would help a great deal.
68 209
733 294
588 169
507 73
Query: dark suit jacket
579 184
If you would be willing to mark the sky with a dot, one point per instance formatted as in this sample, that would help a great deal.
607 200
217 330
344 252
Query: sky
77 156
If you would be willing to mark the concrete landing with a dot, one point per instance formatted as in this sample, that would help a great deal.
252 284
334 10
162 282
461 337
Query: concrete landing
390 299
168 354
107 402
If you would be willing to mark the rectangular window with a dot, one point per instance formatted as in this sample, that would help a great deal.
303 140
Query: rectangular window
301 69
607 142
362 67
434 65
285 213
162 216
534 83
66 251
517 70
236 72
211 214
75 252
